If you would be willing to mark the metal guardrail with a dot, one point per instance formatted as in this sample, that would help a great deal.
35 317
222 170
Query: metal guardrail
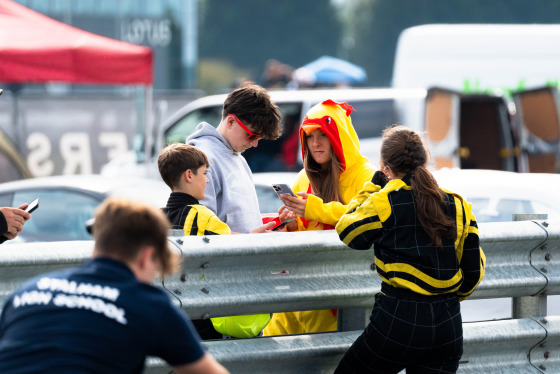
510 346
314 270
275 272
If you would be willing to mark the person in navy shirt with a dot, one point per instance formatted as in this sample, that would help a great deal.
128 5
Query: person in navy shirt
104 316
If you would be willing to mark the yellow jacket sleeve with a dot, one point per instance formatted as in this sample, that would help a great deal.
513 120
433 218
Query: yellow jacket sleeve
471 257
202 221
215 225
328 213
360 224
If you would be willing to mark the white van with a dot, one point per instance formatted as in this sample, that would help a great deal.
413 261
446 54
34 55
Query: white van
517 62
375 109
478 58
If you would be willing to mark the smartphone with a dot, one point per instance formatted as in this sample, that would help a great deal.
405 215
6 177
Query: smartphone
282 189
281 225
32 206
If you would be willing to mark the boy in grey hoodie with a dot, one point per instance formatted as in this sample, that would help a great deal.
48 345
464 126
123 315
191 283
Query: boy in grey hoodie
248 115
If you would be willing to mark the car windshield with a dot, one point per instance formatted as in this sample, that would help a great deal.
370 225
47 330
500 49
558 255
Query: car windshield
75 207
502 210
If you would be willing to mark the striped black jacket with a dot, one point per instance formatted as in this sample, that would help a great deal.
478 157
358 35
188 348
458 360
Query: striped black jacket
185 212
404 256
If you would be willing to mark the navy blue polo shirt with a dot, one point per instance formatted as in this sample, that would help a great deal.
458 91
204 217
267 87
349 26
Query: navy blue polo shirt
97 318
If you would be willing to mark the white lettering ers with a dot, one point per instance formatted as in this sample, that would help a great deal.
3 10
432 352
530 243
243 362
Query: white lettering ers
74 295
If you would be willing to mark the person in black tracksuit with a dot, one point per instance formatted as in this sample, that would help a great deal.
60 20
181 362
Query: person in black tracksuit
428 256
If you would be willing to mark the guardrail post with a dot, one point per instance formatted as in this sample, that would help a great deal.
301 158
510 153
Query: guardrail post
352 319
528 306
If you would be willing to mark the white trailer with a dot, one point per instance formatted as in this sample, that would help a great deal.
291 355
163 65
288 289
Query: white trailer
478 58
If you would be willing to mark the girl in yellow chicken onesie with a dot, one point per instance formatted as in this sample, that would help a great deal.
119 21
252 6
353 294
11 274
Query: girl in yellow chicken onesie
334 172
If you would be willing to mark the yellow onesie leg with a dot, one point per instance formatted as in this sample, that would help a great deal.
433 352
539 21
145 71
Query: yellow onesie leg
301 322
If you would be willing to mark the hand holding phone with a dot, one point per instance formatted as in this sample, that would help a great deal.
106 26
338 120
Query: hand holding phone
282 189
32 206
281 225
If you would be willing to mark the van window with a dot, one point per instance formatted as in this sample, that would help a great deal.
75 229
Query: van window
280 154
371 117
185 126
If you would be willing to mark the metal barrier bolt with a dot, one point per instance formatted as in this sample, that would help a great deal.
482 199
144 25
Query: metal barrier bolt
547 257
206 240
179 241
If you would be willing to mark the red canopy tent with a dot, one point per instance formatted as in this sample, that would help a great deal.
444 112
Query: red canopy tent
37 49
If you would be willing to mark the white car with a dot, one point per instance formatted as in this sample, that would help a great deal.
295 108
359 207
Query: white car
496 195
66 202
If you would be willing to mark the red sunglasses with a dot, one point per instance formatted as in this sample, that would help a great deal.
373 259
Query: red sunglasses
252 136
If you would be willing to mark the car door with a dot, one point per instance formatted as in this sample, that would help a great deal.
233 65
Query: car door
441 121
485 133
539 128
469 131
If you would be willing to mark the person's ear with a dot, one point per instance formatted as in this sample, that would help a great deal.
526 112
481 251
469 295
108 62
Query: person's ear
145 257
230 121
385 171
187 175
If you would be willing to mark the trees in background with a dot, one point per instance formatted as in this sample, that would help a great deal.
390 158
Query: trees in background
247 33
250 32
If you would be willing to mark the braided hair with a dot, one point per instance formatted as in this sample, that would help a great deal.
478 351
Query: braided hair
403 151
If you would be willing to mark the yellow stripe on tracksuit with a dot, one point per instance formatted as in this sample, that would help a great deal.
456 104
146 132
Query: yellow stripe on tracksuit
205 222
366 219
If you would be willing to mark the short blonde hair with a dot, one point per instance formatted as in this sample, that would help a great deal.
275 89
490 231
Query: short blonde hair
123 228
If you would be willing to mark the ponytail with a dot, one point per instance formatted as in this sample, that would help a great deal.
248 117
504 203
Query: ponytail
430 204
404 152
